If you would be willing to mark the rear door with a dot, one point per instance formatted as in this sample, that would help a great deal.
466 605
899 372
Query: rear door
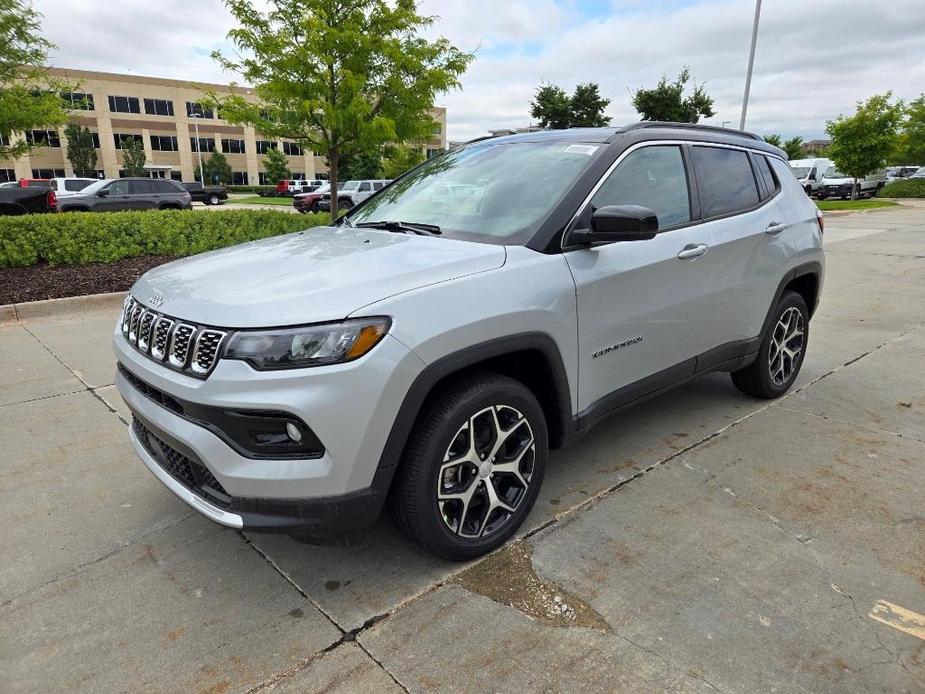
744 211
641 303
142 195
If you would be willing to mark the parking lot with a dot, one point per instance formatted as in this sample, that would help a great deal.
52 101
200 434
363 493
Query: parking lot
702 541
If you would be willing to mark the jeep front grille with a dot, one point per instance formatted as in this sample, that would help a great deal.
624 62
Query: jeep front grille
192 349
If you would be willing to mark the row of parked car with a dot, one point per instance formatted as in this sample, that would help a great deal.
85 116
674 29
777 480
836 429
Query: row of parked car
349 194
104 195
821 179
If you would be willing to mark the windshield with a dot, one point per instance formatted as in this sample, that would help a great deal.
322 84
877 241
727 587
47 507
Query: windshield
800 171
350 185
491 192
93 187
832 172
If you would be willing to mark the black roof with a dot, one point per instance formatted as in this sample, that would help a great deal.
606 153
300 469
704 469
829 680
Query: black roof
645 129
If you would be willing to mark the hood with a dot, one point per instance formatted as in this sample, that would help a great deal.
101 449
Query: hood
836 181
321 274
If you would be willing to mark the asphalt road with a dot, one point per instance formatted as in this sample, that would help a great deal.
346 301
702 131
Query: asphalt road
702 541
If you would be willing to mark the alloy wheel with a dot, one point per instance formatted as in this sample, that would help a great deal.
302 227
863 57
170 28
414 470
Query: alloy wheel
486 471
786 346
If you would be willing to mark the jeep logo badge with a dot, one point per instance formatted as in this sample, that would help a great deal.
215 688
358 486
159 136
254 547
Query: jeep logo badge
157 299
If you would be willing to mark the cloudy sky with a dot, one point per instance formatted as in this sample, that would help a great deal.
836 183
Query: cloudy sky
815 58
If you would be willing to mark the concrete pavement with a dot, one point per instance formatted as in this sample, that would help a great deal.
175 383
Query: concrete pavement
701 541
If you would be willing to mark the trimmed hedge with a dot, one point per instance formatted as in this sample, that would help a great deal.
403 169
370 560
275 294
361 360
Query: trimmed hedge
85 237
250 189
910 188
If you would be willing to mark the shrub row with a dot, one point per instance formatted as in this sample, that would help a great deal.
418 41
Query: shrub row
911 188
86 237
250 189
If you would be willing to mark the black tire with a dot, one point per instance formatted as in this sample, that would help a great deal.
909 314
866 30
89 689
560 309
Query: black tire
760 378
413 502
214 200
344 205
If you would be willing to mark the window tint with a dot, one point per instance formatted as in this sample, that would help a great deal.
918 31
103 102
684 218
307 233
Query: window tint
364 187
725 180
74 185
764 173
118 188
141 187
124 104
376 186
652 177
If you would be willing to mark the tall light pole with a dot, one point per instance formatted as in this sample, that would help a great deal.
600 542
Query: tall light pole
751 64
197 116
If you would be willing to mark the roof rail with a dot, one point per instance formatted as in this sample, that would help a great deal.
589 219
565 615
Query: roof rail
692 126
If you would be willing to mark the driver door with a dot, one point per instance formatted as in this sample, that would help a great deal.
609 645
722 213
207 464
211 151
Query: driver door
117 198
641 303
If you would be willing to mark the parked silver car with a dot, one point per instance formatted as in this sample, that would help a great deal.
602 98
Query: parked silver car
427 351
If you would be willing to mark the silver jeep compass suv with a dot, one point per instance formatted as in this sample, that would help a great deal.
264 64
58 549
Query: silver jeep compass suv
428 349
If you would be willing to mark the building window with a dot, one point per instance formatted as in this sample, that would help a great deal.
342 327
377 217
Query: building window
79 101
4 140
96 140
263 180
206 144
292 149
47 173
124 104
7 175
43 138
194 108
158 107
239 178
433 152
120 139
164 143
233 146
176 175
100 174
264 146
436 128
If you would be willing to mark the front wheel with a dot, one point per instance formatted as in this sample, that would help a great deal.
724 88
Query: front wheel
214 200
344 205
472 468
781 353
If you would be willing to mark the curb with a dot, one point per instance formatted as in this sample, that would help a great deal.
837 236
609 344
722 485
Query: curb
50 308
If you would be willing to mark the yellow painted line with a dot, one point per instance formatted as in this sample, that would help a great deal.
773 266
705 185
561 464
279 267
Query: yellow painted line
899 618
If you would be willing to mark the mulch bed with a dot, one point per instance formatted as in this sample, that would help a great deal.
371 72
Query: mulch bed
20 284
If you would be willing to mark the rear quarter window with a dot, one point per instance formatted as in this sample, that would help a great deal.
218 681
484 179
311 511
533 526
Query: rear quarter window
725 180
766 176
75 185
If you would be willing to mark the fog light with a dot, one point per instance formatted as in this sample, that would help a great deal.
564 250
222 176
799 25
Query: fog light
293 432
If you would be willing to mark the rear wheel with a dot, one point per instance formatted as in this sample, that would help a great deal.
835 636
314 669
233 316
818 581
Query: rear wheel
472 468
344 205
214 200
781 353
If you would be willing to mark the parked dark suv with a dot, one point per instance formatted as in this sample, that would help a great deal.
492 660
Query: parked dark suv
116 194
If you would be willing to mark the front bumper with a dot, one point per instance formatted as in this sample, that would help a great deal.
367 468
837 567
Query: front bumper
350 407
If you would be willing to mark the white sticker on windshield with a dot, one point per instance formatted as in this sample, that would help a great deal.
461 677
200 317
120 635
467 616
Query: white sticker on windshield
581 149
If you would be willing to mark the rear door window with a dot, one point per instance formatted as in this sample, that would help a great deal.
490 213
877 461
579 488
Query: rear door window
364 187
141 187
73 185
725 180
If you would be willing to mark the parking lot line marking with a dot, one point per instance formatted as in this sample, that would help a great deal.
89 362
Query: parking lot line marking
899 618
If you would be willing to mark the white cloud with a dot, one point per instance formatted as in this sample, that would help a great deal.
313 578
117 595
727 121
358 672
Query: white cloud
814 61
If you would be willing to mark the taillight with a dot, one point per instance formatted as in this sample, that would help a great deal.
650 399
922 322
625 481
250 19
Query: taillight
52 198
820 221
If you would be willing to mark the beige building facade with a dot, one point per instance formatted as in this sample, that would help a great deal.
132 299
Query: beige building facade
165 114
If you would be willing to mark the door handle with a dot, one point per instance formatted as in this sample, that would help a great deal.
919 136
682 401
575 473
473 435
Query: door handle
775 228
692 250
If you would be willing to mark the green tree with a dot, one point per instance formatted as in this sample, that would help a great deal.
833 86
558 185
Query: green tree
911 147
862 143
666 102
587 107
399 159
28 98
365 164
793 146
133 157
556 110
80 150
775 140
551 107
276 166
338 76
216 169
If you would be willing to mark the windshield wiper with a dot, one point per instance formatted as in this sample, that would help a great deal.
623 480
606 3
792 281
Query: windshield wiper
405 227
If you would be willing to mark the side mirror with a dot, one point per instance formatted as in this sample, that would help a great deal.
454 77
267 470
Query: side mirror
618 223
102 193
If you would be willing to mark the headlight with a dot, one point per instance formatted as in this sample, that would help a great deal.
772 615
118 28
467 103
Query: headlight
312 345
